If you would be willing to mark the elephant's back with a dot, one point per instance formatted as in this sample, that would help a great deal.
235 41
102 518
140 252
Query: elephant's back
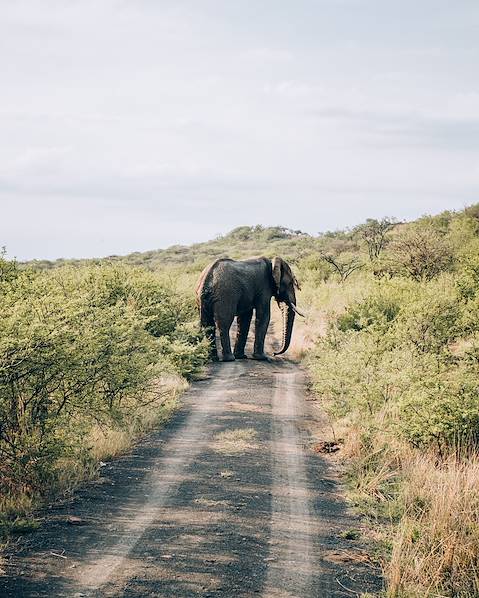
208 274
229 273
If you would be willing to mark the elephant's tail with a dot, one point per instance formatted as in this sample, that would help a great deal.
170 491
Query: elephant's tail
204 298
205 301
206 308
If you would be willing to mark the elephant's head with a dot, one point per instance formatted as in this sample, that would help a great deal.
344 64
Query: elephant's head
284 283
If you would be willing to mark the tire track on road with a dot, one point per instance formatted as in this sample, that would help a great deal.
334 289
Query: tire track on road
186 514
290 561
178 454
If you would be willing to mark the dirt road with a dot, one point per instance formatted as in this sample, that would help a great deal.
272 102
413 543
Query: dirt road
228 500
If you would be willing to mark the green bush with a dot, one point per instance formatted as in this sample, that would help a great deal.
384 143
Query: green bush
442 409
378 309
404 356
468 279
430 319
80 346
398 373
313 269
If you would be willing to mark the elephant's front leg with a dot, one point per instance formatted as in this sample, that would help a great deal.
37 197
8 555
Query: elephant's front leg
263 314
243 321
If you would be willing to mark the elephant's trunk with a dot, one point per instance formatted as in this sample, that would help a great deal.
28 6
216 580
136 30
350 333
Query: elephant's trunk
288 321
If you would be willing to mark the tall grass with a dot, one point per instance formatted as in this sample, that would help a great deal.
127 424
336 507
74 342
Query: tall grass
436 544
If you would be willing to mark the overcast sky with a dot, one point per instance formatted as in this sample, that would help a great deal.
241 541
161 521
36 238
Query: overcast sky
136 124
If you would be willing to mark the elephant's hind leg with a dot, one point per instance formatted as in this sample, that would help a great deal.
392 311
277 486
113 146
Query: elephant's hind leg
209 327
243 321
224 324
211 336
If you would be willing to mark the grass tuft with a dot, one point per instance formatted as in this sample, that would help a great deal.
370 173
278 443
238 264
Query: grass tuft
235 441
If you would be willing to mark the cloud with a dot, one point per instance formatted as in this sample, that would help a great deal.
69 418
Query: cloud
292 89
127 125
409 129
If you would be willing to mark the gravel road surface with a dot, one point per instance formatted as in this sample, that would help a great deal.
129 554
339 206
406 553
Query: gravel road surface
229 499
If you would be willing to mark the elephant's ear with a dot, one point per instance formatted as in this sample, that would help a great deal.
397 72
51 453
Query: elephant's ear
276 264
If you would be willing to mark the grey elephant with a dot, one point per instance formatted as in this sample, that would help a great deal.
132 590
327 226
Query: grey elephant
229 288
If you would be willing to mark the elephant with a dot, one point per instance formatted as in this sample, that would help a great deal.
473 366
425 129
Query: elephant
229 288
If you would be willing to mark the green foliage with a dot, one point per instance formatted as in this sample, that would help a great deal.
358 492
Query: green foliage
80 346
468 279
187 349
394 358
343 265
442 409
398 373
314 268
375 234
429 319
8 270
378 309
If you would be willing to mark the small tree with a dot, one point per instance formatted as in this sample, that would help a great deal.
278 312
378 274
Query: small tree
374 232
421 252
344 264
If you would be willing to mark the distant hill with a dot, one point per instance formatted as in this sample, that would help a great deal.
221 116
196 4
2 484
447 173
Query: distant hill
241 242
248 241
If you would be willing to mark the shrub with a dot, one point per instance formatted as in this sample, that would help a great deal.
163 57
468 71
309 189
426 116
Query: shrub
442 409
430 319
314 268
378 309
77 347
374 234
420 252
468 279
393 353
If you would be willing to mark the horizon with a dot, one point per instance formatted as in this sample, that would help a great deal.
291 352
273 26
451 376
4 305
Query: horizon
227 233
177 122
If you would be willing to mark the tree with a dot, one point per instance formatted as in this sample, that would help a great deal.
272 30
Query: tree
374 232
421 252
344 264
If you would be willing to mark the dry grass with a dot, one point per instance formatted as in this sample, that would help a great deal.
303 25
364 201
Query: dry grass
436 547
428 510
428 513
106 443
320 304
235 441
425 509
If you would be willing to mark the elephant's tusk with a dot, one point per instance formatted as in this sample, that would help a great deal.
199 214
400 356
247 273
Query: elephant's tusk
296 310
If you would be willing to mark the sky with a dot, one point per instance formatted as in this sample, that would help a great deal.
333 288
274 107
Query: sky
130 125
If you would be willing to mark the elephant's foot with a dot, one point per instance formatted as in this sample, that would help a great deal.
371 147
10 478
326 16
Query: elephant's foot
240 356
260 357
228 357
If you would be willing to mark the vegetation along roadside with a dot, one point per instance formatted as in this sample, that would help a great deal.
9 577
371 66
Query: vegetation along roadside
391 341
91 357
394 361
